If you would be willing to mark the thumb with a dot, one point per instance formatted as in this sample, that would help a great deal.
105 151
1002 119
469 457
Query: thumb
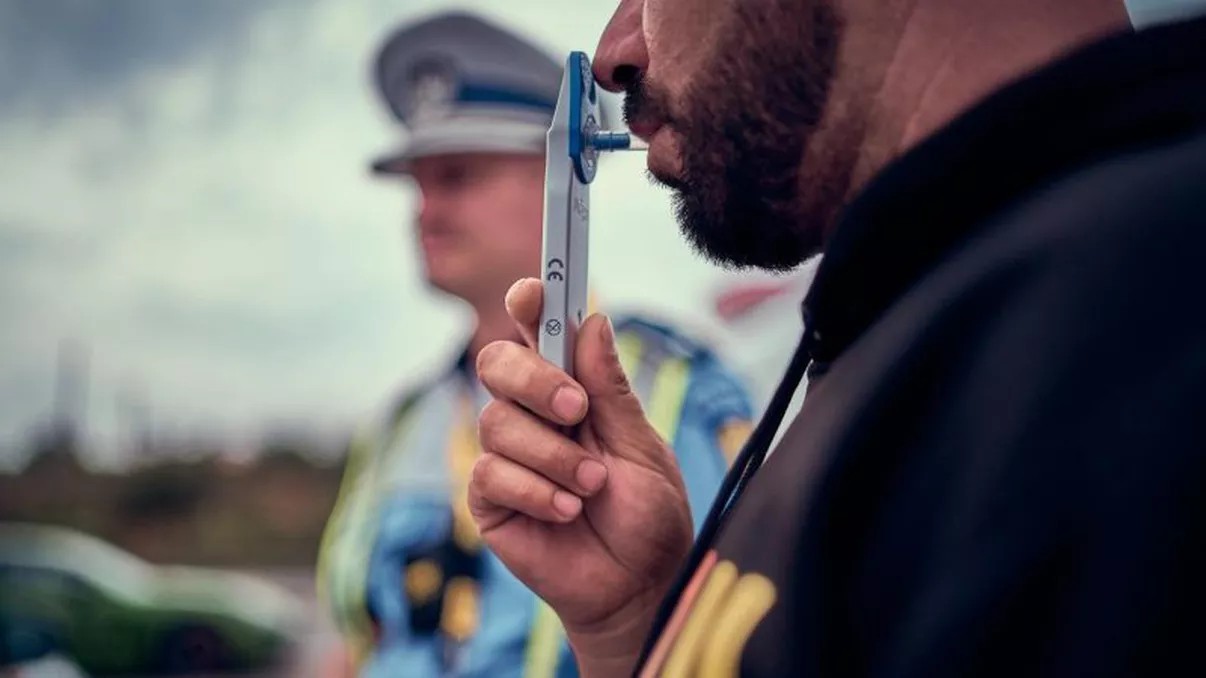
523 303
614 410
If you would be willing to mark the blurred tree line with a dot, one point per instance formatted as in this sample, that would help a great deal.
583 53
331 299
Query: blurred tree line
192 506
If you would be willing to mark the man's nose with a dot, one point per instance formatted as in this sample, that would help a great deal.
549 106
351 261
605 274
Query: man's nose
622 55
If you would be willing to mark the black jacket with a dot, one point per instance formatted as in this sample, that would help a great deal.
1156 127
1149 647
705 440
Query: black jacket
1002 471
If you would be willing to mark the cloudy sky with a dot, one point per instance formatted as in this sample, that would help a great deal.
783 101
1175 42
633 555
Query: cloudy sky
183 199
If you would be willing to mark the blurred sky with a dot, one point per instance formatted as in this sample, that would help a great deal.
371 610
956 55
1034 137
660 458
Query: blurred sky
184 197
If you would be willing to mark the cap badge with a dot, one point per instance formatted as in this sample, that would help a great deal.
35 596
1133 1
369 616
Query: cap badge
433 88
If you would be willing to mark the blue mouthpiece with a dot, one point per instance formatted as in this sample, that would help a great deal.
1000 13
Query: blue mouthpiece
612 141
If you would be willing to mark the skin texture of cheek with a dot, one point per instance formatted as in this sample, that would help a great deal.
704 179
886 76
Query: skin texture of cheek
506 232
679 35
486 233
742 202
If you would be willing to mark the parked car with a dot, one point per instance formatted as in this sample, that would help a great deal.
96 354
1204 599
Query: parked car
70 594
49 666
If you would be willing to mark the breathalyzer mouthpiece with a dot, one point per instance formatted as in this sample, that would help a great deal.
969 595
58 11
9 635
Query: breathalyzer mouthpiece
617 141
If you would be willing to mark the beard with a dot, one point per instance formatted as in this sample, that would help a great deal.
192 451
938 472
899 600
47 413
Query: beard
745 126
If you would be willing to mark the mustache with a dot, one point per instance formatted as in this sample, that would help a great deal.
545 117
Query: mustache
645 103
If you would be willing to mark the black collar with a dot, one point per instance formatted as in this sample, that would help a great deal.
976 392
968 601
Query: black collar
1132 90
464 367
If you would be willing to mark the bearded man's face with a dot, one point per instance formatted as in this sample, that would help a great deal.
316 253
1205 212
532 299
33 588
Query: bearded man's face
729 97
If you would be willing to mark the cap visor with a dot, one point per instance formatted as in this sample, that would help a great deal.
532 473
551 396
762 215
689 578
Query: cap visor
465 135
397 163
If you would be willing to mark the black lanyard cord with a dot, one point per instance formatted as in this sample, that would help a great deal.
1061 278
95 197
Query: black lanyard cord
747 463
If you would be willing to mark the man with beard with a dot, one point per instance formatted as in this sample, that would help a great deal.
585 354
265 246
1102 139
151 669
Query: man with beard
403 569
998 468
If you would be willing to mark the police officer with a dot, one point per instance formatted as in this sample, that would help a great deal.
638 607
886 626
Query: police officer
403 569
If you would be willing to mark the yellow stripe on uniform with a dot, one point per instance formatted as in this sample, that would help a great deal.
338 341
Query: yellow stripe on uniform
544 643
666 402
693 640
463 450
751 600
630 348
347 535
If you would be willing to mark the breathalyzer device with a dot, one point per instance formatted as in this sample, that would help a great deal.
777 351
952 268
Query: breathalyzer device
575 141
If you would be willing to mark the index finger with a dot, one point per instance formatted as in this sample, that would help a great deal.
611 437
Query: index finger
524 302
518 374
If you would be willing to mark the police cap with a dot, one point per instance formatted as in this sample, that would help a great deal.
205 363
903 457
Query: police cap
460 84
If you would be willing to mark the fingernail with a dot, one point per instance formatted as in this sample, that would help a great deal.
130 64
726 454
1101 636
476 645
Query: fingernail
566 504
591 475
608 332
568 403
509 297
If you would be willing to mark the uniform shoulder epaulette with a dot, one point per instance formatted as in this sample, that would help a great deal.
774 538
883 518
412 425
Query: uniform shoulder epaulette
668 340
405 401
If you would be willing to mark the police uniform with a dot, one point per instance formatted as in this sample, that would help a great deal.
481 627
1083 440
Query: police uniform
402 567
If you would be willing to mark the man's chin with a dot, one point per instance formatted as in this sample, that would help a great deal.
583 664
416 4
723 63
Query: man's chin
761 241
665 180
435 281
